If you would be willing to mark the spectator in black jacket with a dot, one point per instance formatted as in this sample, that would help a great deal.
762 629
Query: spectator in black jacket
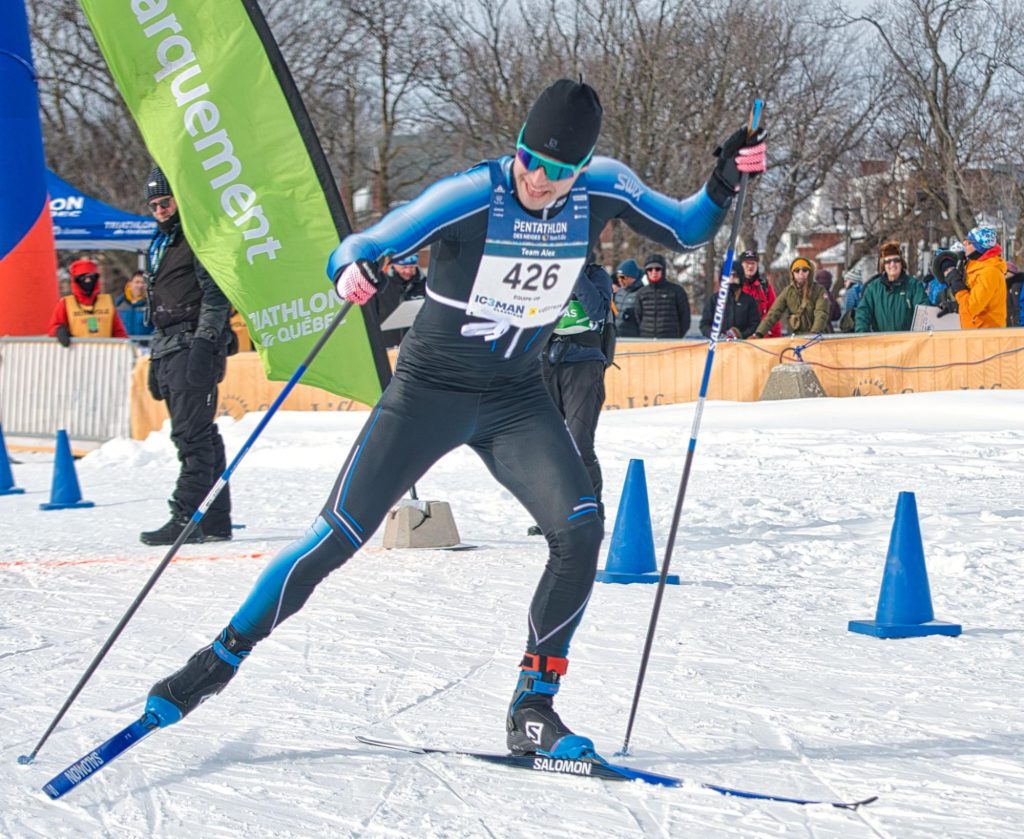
405 282
662 308
741 315
627 277
191 339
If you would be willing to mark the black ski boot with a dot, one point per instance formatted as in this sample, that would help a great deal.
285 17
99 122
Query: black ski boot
216 530
532 725
169 533
205 674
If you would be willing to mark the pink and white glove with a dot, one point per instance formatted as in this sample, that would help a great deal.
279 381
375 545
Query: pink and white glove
753 159
353 286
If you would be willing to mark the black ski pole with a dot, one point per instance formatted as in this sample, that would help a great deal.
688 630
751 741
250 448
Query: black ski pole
197 517
716 325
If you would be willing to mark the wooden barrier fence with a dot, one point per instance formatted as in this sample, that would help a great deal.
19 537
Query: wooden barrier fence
667 372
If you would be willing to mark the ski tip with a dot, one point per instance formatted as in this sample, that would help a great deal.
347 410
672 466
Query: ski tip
25 760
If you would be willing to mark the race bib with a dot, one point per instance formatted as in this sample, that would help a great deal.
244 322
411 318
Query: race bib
529 266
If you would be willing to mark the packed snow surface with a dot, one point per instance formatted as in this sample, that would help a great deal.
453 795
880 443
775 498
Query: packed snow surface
754 681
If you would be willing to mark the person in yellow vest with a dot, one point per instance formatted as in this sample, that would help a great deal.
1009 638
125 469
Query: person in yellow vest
980 285
85 313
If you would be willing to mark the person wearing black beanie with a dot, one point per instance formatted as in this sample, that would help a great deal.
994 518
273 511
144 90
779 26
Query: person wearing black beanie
562 127
509 243
564 122
190 341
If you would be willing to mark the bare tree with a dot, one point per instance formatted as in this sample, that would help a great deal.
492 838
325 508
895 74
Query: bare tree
947 62
90 137
819 111
322 47
897 109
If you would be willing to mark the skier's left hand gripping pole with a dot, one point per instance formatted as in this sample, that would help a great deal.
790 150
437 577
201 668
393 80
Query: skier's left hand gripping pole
193 523
753 124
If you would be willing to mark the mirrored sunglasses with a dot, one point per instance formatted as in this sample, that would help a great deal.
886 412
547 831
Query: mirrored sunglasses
801 270
555 170
162 203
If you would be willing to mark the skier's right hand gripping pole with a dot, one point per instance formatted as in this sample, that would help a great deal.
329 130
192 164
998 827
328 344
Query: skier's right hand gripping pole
741 155
358 281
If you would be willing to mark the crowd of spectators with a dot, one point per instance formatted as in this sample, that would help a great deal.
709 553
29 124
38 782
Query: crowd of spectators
971 280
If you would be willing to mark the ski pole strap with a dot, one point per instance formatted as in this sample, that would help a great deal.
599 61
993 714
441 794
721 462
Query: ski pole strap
544 664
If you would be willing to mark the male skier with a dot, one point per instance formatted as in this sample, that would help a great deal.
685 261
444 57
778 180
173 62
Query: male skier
509 239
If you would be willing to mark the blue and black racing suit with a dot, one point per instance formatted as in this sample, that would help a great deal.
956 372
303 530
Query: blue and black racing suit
460 381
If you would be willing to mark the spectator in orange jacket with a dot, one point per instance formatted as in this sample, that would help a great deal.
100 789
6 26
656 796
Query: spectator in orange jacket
980 285
85 313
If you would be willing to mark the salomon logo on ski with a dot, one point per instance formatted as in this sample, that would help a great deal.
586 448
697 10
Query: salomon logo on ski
84 768
567 767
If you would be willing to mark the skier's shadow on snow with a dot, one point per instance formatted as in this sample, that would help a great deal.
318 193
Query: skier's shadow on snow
238 753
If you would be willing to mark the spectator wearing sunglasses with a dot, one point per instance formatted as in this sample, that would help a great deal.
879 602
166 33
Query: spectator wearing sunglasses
662 306
86 312
891 296
802 302
757 287
191 339
508 241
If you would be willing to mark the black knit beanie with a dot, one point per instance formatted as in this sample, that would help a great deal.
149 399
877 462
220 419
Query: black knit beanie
564 122
156 185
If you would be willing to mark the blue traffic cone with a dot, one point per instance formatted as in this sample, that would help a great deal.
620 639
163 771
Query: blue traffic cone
7 486
631 556
64 491
905 602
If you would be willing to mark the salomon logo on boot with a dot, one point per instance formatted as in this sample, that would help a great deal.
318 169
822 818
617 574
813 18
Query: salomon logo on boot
205 674
532 725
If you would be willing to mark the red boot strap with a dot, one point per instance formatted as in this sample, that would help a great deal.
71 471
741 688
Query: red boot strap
544 663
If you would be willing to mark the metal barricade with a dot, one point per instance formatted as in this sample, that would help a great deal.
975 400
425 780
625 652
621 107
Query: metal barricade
83 389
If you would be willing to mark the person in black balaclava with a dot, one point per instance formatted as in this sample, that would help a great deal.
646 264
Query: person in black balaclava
85 313
190 341
509 239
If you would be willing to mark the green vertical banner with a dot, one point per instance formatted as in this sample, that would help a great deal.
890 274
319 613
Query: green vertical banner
222 117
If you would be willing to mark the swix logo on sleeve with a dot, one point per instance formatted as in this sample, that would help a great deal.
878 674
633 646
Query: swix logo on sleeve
629 185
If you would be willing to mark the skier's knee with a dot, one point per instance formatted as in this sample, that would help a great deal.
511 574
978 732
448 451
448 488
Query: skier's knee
578 542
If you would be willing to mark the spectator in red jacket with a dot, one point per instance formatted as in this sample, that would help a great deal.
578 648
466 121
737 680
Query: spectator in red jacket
757 287
85 313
